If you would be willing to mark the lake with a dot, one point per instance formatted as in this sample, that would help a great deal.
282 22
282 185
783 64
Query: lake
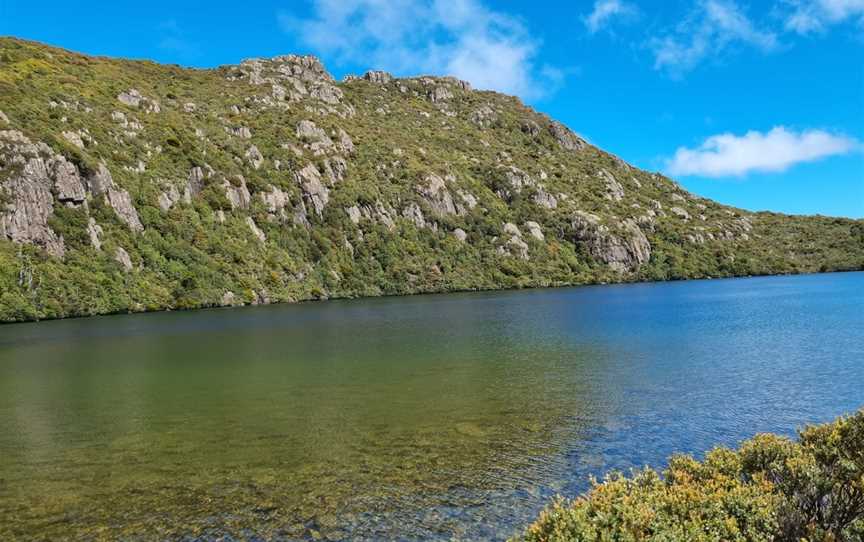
426 417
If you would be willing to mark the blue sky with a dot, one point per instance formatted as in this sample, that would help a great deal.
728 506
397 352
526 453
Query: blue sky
757 104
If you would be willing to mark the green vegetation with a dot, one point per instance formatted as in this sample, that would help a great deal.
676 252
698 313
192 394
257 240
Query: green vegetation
771 488
202 252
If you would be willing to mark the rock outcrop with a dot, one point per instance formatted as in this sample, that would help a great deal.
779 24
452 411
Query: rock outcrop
101 183
27 191
622 252
315 193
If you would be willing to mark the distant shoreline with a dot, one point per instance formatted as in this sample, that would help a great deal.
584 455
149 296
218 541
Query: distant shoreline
430 293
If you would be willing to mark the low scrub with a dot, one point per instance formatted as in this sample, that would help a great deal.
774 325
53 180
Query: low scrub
772 488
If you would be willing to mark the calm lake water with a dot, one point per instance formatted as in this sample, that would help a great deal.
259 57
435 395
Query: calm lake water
429 417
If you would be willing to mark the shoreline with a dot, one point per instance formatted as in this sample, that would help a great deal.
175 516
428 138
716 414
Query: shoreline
430 293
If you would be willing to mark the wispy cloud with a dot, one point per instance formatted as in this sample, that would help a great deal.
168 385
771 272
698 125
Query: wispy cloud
809 16
726 155
605 11
463 38
173 39
712 27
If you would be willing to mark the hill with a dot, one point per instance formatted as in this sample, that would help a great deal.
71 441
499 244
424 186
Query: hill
131 186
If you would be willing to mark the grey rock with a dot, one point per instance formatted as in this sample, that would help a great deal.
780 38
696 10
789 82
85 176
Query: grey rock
171 196
239 131
309 131
122 257
413 213
254 156
614 190
377 76
354 214
256 231
516 181
27 190
468 199
133 98
335 168
314 192
621 253
484 116
535 230
228 299
67 182
376 213
515 246
681 213
460 234
276 200
121 202
74 138
195 181
102 183
94 230
434 191
565 137
345 142
512 229
545 199
440 94
237 192
530 128
3 118
292 77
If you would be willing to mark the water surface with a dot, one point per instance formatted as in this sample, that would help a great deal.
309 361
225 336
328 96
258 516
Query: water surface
430 417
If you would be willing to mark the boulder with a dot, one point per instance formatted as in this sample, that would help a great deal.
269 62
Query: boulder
535 230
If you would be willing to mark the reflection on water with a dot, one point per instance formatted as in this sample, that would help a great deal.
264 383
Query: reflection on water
413 418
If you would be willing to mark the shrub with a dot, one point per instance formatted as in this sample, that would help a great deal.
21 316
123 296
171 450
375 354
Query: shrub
772 488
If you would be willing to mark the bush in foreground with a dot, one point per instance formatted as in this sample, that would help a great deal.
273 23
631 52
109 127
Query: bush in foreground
771 488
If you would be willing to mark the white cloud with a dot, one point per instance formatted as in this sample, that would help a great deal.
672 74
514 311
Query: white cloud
712 27
606 10
815 15
462 38
727 155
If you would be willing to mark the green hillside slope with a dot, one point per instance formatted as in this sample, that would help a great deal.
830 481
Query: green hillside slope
128 186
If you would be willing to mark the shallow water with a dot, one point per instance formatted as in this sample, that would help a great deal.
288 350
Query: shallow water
448 416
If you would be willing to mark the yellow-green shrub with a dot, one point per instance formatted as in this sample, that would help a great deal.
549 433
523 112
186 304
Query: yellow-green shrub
772 488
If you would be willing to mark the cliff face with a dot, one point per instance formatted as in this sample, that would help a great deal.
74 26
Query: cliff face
134 186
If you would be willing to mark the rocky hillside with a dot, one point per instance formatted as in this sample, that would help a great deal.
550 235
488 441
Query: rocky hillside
130 186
